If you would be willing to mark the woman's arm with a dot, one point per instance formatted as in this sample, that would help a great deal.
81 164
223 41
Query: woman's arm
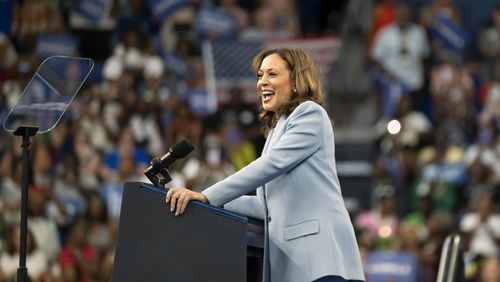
300 140
247 205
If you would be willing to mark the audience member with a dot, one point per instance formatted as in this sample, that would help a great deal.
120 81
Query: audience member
439 225
43 224
79 260
442 20
37 17
99 233
37 263
212 167
489 41
441 194
126 148
383 15
273 19
398 53
111 189
8 58
179 25
183 125
92 23
482 227
232 7
381 221
11 188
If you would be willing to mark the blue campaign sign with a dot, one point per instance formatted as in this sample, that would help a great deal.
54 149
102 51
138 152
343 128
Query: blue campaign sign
385 266
176 63
112 193
92 10
455 173
162 9
213 20
450 34
198 100
49 45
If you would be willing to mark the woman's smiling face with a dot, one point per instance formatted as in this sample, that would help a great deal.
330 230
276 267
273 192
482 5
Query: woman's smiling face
273 83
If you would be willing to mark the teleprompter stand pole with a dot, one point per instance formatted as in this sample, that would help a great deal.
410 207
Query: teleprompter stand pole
26 132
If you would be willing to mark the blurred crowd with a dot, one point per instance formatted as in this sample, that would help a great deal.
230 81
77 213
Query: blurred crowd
437 171
440 173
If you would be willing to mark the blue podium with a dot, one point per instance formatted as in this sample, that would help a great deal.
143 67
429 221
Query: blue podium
206 243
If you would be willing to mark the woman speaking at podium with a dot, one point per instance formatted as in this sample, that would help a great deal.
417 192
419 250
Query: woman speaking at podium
309 235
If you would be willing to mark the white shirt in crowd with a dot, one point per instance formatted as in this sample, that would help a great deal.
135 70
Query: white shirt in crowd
401 52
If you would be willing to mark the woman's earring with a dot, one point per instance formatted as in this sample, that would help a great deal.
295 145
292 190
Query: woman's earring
294 90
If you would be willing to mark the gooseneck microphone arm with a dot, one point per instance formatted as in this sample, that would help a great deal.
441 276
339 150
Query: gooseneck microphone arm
157 172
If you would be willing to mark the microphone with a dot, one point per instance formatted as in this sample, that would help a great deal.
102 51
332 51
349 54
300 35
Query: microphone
157 172
178 151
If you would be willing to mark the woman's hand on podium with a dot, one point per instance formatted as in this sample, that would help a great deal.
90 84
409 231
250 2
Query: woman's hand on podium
180 197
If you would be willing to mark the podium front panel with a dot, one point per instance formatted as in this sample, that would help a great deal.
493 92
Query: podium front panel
203 244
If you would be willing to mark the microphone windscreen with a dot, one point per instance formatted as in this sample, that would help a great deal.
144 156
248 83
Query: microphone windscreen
182 149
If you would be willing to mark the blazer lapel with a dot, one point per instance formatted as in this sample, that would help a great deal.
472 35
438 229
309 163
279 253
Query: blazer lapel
266 271
268 141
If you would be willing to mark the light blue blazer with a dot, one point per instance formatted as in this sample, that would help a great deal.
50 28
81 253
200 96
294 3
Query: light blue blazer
308 230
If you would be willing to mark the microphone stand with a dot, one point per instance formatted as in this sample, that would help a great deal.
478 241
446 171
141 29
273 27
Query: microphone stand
158 173
26 132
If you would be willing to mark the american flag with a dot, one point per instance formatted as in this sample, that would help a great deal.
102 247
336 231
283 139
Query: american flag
233 59
228 63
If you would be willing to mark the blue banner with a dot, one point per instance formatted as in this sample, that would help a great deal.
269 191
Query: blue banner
212 20
451 35
198 101
112 194
162 9
49 45
455 173
92 10
176 63
385 266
